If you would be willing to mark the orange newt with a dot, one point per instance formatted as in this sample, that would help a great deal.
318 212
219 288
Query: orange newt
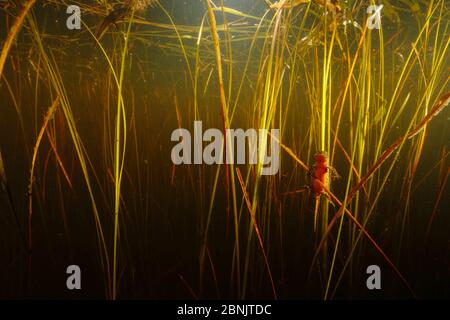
320 175
320 179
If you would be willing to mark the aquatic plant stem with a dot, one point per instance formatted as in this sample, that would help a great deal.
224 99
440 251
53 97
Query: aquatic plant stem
119 154
223 102
225 125
12 33
47 118
439 106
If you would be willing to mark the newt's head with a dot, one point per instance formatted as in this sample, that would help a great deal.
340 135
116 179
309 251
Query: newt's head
321 156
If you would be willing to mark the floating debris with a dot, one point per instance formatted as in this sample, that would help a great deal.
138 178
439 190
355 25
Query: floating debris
331 5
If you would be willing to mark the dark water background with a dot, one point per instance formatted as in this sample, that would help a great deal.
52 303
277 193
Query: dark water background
162 220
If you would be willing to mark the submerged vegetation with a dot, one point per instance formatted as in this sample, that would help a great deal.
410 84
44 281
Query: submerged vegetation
85 170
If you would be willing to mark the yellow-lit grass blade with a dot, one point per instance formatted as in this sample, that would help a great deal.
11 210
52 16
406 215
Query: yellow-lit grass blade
236 12
13 32
57 84
47 118
286 4
351 217
439 106
255 226
58 160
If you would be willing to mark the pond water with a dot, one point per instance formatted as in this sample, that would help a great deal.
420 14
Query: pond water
90 121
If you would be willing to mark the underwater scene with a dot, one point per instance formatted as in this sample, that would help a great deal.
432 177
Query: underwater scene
225 149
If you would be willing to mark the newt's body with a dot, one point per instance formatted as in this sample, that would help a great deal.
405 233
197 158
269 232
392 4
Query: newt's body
320 179
319 173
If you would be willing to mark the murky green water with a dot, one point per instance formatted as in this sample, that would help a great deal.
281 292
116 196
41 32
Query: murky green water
185 231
